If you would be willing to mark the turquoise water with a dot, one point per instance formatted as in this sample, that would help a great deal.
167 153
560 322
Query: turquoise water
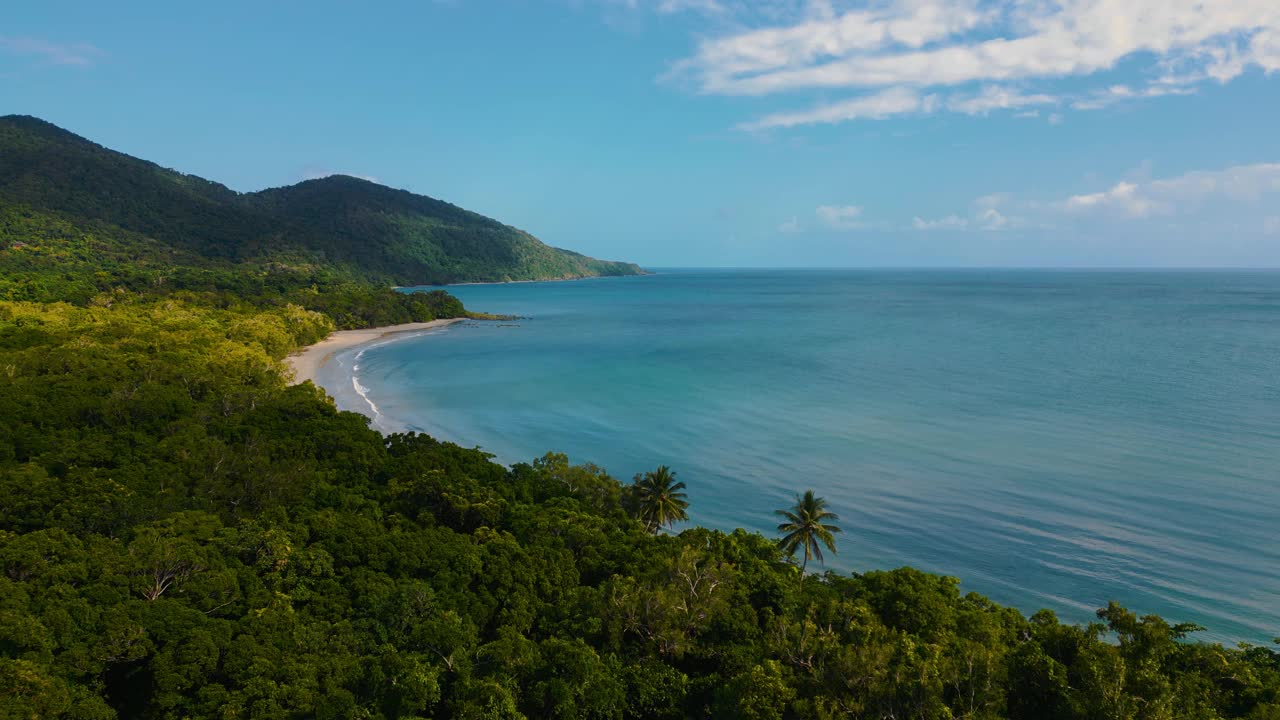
1054 439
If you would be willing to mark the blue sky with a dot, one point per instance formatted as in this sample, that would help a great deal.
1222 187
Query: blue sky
714 132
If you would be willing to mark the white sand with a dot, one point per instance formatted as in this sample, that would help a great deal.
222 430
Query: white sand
308 361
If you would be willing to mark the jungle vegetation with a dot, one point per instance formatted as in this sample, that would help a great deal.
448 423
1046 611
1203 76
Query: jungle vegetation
183 534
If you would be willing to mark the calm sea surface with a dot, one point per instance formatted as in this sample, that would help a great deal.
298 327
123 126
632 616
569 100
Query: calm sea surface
1053 439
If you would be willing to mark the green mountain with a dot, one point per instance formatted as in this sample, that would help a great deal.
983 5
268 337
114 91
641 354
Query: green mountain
357 228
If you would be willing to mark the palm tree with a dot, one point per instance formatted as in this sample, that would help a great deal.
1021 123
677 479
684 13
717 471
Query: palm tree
805 528
659 499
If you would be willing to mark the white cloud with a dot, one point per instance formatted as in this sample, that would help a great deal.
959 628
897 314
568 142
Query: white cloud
1123 197
1113 94
1233 200
950 222
841 217
731 14
992 219
764 60
906 101
675 6
983 218
69 54
908 50
897 101
927 42
1243 184
997 98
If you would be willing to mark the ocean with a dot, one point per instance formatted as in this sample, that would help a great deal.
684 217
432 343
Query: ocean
1055 439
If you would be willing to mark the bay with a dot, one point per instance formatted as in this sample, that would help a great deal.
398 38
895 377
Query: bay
1053 438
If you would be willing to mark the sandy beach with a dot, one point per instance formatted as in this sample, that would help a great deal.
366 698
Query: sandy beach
308 361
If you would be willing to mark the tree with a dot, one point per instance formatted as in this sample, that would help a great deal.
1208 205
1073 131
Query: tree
658 500
806 527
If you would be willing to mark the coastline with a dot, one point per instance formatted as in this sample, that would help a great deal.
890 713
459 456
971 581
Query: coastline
307 362
544 280
521 282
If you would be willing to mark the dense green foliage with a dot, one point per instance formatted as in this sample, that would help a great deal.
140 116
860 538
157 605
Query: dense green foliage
44 258
185 535
357 228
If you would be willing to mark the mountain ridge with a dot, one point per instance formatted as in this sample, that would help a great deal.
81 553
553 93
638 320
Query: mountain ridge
367 230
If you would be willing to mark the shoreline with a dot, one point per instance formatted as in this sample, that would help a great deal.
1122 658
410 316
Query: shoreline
307 362
519 282
544 280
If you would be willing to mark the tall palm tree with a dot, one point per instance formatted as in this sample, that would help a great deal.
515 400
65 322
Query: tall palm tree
806 527
659 499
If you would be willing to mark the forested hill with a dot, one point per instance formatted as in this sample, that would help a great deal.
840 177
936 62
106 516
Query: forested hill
364 230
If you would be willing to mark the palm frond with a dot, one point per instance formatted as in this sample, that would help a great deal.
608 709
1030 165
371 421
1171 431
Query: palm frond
805 528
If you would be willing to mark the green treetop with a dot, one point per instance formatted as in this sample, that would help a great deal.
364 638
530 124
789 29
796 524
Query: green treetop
807 525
